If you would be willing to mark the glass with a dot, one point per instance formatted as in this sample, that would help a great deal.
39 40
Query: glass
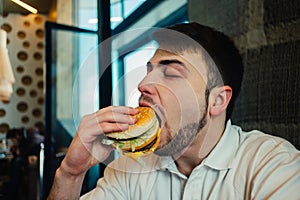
68 86
126 87
72 51
121 9
85 14
130 6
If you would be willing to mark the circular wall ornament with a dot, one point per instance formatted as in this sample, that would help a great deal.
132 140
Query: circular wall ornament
2 112
26 24
21 34
26 80
7 27
37 56
20 69
36 112
33 93
4 127
26 44
39 71
40 45
40 84
22 55
39 33
38 20
22 106
20 92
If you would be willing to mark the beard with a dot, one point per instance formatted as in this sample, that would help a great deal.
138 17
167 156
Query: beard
182 139
185 135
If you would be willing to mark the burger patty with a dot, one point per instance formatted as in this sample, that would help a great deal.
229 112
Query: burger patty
146 148
135 143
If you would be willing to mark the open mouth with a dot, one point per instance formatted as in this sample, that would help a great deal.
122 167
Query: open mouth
160 114
158 109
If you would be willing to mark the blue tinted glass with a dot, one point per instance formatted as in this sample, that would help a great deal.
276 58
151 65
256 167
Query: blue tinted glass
86 16
120 9
131 5
76 77
116 14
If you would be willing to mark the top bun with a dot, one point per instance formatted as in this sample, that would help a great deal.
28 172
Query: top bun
145 119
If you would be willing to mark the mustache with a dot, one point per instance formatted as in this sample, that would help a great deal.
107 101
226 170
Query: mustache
146 99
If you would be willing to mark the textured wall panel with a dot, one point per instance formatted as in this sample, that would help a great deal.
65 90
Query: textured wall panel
272 77
283 32
229 16
267 33
281 11
270 98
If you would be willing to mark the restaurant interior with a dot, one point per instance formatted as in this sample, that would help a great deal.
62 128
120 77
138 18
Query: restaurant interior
63 59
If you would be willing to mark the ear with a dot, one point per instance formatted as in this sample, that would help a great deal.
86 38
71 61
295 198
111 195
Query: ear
219 98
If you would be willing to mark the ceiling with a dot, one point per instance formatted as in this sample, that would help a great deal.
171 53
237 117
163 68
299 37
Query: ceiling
43 6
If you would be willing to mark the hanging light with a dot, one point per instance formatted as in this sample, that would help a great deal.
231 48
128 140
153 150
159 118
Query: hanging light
6 74
26 6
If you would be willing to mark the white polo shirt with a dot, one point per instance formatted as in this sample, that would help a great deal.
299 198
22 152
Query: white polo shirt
243 165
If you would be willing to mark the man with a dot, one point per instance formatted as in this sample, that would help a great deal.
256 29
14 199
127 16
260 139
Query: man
192 82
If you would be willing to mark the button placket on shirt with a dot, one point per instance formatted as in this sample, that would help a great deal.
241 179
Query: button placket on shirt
194 183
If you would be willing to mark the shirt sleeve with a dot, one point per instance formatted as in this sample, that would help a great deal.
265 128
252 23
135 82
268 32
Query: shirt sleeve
278 173
110 186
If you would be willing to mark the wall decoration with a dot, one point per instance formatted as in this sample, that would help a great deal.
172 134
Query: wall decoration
25 43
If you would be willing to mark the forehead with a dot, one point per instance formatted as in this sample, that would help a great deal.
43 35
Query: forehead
194 61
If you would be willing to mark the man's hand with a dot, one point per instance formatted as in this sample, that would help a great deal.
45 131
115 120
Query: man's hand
87 150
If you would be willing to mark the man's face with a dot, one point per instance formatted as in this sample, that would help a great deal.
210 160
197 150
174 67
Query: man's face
175 87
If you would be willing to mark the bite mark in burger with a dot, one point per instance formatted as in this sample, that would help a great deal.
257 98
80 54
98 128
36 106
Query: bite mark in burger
140 138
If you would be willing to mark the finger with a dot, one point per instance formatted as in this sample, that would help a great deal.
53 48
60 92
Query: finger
112 127
91 132
119 109
115 117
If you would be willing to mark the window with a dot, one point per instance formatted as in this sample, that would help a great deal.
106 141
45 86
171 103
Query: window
135 70
120 9
74 74
85 14
68 51
133 47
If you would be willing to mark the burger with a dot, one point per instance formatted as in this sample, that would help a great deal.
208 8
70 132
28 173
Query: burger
141 138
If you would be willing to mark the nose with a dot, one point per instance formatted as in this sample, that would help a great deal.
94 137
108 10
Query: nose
147 85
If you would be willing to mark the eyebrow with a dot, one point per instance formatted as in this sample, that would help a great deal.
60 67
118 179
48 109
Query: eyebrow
168 62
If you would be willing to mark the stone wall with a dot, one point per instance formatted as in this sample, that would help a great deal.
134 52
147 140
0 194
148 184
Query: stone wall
267 32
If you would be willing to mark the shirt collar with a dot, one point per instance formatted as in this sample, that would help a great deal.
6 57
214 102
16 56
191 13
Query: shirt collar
220 158
224 152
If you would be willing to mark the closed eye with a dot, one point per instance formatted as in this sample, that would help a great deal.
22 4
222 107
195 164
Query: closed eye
170 72
170 68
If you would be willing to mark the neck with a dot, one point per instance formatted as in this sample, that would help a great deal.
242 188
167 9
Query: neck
202 145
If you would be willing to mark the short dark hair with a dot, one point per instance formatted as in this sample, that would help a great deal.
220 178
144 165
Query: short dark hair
221 55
